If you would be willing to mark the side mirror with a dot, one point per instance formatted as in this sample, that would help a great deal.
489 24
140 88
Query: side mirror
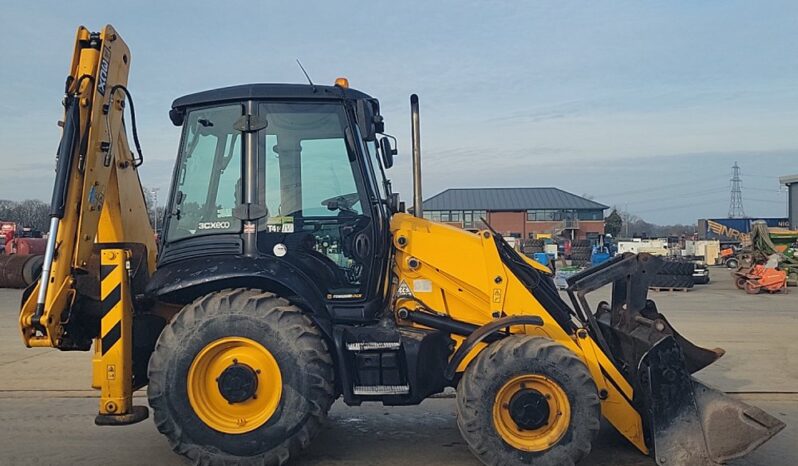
176 116
365 116
395 204
387 152
369 119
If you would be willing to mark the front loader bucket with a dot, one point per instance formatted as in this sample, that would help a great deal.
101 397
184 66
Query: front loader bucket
690 423
687 423
695 357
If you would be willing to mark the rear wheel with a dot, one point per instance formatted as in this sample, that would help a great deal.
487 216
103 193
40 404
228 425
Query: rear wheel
528 400
752 288
225 384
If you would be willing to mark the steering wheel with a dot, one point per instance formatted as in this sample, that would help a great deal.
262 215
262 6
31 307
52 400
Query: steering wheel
344 202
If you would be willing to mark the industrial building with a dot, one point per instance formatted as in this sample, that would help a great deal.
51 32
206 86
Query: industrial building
792 198
519 212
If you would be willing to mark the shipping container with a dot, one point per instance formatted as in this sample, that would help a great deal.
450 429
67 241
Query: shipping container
733 230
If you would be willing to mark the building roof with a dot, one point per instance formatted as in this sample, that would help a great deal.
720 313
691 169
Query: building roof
788 180
507 199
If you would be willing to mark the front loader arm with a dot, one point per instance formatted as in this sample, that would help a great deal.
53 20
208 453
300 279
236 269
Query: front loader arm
97 197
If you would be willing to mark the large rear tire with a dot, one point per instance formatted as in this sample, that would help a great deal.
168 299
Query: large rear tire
240 376
528 400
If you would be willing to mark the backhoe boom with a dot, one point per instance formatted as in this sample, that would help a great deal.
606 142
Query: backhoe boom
97 209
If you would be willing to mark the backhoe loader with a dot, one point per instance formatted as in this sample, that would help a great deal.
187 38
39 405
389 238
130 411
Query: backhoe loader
288 275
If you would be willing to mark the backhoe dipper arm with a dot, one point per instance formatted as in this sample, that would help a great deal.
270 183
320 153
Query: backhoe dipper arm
97 196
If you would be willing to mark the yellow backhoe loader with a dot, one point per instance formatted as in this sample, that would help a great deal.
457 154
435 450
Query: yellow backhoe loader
287 275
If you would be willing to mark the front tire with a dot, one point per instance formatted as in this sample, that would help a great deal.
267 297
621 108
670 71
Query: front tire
240 376
528 400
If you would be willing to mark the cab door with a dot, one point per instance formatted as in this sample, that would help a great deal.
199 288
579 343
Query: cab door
319 217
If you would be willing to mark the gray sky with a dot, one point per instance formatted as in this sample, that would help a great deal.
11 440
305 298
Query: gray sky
639 104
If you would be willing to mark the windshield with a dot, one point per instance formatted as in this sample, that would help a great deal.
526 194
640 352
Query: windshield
208 175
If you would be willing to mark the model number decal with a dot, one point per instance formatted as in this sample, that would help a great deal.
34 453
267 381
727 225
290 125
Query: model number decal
213 225
105 64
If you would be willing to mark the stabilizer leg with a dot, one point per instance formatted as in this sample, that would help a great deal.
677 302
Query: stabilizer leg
112 363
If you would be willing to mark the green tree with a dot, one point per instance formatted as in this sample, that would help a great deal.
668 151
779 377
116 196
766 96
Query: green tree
613 223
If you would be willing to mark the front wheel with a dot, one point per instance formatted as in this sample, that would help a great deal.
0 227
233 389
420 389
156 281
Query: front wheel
740 282
528 400
240 377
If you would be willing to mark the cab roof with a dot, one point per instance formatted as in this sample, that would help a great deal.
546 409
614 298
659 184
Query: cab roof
266 91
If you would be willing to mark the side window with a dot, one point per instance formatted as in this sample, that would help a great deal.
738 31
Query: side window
327 178
209 175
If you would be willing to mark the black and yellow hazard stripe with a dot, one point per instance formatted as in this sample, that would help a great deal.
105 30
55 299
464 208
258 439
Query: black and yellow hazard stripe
111 293
113 352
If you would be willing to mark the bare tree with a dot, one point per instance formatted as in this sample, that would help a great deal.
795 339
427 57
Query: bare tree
28 213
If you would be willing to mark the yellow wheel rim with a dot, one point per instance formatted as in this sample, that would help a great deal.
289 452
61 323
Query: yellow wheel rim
205 396
539 438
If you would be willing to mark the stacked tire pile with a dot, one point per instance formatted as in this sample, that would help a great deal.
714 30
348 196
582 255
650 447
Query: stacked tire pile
531 246
581 250
19 271
674 275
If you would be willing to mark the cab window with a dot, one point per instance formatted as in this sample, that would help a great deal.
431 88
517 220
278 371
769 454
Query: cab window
208 185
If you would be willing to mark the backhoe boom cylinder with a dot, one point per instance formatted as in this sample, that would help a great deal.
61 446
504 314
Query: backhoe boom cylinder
58 203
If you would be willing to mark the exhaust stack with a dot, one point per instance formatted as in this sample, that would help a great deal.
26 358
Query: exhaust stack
415 131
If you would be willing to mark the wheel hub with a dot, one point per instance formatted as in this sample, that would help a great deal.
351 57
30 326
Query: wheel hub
234 385
531 412
237 383
529 409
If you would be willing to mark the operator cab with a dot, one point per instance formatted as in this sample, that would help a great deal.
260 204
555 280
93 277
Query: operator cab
290 176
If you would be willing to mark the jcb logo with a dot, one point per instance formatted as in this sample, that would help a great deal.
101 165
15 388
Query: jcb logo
213 225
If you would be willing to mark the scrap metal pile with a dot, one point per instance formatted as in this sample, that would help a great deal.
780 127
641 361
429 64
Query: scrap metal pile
770 262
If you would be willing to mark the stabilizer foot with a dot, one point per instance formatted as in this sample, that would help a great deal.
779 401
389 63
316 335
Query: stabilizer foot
136 414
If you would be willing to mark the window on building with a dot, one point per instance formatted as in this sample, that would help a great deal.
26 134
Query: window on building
468 219
595 214
543 215
556 215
